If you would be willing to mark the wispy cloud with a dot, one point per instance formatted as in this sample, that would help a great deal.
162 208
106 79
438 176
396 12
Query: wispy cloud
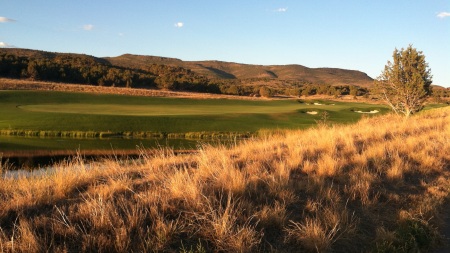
443 14
179 24
5 45
284 9
6 20
121 34
88 27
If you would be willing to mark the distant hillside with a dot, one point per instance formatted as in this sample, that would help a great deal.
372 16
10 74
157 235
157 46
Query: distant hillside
37 54
230 70
152 72
85 69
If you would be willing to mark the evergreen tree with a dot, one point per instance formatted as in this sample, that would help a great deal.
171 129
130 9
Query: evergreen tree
405 83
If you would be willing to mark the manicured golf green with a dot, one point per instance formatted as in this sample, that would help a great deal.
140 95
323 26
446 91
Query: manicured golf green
165 108
61 111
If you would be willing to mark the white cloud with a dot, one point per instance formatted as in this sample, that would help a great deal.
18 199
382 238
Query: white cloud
5 45
121 34
179 24
443 14
88 27
6 20
281 10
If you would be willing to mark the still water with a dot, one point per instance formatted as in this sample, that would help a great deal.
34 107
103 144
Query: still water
18 143
36 152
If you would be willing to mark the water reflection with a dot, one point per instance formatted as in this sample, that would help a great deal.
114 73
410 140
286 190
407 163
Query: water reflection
32 153
20 143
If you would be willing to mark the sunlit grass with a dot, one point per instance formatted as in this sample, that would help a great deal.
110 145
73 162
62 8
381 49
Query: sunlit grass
378 185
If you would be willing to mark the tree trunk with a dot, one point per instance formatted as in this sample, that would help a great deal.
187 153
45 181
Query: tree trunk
407 113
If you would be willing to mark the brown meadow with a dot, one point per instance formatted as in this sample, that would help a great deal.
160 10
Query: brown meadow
379 185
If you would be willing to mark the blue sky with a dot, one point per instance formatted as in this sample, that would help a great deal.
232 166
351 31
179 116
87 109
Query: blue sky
351 34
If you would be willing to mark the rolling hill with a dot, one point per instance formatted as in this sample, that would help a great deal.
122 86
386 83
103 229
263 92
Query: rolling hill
231 70
41 55
138 71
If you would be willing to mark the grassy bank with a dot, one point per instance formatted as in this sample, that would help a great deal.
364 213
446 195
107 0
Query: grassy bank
379 185
128 134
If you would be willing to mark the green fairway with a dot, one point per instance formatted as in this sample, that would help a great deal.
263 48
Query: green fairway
61 111
168 120
190 107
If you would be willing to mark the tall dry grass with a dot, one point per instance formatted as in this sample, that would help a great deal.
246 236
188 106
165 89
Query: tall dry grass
379 185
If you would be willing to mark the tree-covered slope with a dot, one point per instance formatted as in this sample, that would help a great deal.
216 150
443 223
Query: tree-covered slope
231 70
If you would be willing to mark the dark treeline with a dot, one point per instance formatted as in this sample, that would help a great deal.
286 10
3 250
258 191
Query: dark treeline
290 88
441 94
177 78
81 69
311 89
72 69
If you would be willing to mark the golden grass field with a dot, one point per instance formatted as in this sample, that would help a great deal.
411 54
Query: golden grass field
380 185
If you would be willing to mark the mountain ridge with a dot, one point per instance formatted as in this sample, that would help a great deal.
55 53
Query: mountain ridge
216 69
157 72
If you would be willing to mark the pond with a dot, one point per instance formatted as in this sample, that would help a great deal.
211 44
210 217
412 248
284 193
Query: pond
34 152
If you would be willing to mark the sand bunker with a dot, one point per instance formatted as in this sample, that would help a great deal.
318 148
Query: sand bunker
317 104
312 112
374 111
